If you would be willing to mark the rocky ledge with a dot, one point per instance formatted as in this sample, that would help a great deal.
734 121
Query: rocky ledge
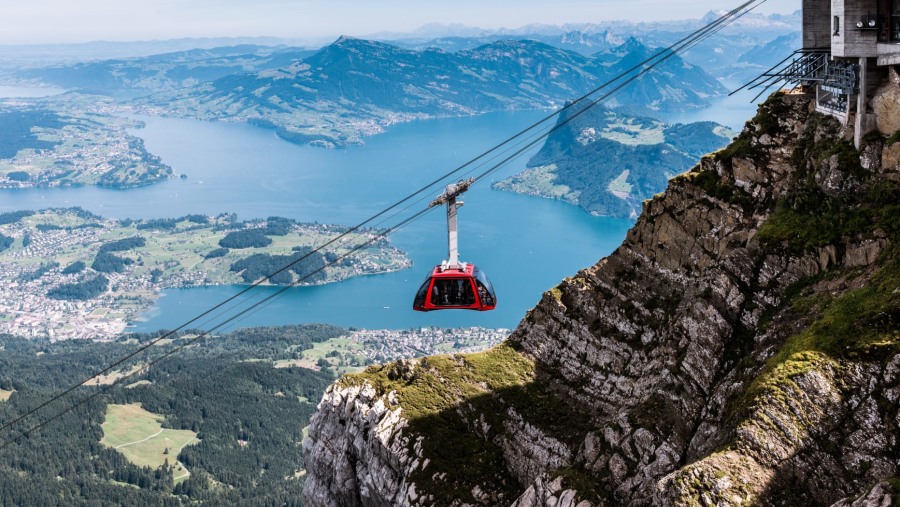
742 347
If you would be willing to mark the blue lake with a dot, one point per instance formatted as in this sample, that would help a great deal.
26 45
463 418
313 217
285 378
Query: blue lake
525 244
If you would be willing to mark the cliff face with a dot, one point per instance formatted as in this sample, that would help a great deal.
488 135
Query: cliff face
742 347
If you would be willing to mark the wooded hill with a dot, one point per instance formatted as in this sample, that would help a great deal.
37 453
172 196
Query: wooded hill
248 415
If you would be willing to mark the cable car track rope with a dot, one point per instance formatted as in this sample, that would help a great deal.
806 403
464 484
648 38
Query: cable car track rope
505 152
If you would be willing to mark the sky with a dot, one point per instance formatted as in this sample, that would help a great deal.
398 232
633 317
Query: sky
54 21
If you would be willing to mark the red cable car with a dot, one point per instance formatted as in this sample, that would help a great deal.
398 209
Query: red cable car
455 285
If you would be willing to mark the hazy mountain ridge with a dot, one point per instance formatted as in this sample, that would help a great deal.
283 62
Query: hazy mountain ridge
355 87
163 72
717 55
752 21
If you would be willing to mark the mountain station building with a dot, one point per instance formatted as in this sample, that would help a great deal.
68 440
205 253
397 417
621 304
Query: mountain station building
850 48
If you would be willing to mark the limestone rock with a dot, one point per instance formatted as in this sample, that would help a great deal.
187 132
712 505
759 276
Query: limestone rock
886 104
890 158
881 495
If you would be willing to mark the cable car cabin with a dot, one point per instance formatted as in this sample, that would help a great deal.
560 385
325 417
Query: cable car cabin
456 289
455 285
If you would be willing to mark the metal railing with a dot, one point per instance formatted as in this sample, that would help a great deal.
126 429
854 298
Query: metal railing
809 67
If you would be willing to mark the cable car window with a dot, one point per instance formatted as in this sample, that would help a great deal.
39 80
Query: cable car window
487 299
452 292
422 293
481 277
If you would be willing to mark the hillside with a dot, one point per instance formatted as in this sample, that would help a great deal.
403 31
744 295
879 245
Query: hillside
741 347
608 163
247 414
353 88
72 142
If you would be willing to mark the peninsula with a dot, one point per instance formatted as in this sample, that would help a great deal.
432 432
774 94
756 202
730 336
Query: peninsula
71 274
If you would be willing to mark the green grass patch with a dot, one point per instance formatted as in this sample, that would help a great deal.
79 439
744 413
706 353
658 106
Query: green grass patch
620 185
633 132
847 158
810 219
894 138
138 384
766 122
741 147
712 184
140 437
863 324
342 355
895 483
588 487
430 393
129 423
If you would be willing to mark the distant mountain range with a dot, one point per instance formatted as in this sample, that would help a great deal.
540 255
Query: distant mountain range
162 72
32 56
608 163
752 22
587 38
356 87
718 55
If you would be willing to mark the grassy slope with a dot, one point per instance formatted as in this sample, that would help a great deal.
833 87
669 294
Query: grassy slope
140 437
435 392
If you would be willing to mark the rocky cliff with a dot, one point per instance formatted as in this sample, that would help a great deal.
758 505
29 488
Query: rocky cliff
742 347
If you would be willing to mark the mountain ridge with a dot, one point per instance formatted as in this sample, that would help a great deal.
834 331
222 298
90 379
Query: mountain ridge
355 87
608 163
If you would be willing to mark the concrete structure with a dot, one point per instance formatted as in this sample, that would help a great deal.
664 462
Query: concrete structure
850 44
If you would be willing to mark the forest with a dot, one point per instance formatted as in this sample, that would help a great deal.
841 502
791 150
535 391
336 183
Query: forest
11 217
123 244
17 134
80 291
106 262
248 416
74 268
168 224
306 263
5 242
245 238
